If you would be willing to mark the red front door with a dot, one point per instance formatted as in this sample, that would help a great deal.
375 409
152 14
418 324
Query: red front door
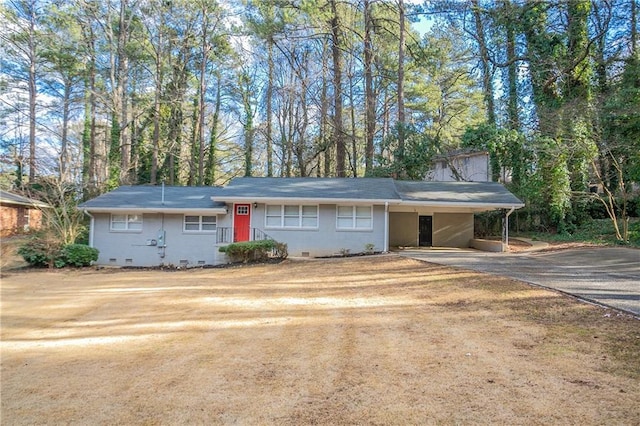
242 222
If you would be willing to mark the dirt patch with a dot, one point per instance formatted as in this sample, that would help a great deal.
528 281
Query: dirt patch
375 340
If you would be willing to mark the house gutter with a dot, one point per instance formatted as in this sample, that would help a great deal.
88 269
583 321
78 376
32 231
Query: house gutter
91 227
166 210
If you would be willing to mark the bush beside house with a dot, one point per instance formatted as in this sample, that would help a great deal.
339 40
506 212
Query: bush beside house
255 251
43 251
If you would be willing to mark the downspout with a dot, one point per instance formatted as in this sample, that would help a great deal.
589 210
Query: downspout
91 227
386 226
506 227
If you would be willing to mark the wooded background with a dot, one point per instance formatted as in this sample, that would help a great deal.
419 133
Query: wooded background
96 94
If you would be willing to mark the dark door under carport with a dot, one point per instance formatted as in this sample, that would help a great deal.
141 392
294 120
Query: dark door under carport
425 231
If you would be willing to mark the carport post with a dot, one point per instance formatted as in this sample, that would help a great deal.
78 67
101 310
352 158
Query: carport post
386 227
505 227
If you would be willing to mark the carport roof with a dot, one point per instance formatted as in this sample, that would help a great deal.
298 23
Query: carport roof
463 193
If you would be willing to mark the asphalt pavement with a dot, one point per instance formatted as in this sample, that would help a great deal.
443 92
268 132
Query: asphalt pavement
608 276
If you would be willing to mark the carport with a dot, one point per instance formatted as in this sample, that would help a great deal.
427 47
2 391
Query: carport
441 214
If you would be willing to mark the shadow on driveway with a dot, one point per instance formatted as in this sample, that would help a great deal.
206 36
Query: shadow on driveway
606 275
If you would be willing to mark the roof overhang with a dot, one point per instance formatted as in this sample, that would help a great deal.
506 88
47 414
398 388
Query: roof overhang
198 211
32 205
468 205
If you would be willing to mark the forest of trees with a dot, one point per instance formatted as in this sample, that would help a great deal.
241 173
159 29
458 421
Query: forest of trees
96 94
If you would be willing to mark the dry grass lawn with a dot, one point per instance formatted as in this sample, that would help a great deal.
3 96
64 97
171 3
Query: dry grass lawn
373 340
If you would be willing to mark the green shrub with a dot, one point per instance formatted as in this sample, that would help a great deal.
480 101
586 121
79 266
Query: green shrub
41 250
78 255
252 251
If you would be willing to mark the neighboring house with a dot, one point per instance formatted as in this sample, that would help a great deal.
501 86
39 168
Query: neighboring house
185 226
19 214
461 165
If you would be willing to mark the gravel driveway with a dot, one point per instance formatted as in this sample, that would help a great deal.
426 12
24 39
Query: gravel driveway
606 275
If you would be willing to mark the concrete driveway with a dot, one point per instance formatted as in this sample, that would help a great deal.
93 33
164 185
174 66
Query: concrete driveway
605 275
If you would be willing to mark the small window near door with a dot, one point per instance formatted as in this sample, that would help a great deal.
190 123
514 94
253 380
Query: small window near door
242 210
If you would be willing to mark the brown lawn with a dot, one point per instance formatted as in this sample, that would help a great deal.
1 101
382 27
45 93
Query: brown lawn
373 340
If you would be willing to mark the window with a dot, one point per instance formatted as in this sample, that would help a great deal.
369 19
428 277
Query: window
354 217
282 216
242 210
126 222
27 219
199 223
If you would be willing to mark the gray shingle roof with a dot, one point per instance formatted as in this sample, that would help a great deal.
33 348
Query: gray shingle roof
311 188
489 194
150 197
456 192
11 198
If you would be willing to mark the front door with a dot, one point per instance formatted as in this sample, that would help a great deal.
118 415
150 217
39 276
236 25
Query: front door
425 231
242 222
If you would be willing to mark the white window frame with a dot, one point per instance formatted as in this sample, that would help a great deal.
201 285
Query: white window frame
354 216
200 222
128 221
299 217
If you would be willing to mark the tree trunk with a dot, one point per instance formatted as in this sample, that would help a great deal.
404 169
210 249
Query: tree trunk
244 84
300 146
210 178
86 140
206 48
269 117
175 137
32 91
64 154
325 142
401 112
123 81
487 82
94 171
288 164
369 100
155 143
193 143
338 133
354 142
512 71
